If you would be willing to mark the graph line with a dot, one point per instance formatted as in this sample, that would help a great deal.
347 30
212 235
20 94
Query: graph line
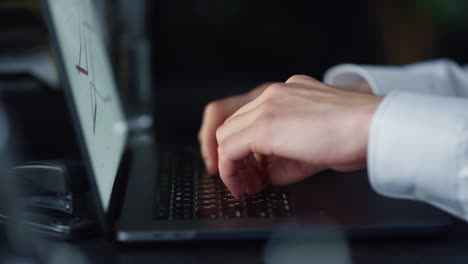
78 67
86 66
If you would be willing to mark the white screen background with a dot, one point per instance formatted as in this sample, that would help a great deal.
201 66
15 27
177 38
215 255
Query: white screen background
93 88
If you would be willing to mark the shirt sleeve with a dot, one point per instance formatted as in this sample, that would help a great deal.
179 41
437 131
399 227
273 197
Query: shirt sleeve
418 149
438 77
418 143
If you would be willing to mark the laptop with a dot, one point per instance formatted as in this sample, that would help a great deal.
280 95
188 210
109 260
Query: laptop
145 190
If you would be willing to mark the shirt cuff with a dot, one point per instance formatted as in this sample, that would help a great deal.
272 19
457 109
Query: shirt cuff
345 75
418 149
438 77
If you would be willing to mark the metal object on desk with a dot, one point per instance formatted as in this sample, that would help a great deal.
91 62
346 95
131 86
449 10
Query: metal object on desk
55 197
55 185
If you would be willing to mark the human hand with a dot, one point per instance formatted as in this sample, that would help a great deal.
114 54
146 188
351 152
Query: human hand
218 111
290 131
214 116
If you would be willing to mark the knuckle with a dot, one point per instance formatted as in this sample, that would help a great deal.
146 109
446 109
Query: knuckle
300 77
273 90
267 107
213 108
219 134
296 78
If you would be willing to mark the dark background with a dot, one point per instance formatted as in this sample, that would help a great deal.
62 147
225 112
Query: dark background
192 52
207 49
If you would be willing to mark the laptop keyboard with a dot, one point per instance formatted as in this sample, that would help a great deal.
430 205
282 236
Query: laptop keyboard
185 192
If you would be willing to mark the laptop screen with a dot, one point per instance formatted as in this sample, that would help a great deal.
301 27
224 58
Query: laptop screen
92 87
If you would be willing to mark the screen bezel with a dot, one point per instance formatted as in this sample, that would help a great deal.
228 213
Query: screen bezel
94 192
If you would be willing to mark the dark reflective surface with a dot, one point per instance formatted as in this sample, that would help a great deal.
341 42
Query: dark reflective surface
448 247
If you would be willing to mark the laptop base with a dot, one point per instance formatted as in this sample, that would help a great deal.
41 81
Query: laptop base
326 201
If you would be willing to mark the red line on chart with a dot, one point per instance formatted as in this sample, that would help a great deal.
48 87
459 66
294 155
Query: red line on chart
81 70
86 66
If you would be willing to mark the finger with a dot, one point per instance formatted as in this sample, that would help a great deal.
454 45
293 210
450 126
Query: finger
214 117
250 174
255 183
237 147
264 162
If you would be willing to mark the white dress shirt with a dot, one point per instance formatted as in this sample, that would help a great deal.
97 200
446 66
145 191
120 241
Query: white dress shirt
418 144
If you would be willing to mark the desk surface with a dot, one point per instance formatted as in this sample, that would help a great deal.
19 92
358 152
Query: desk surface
447 247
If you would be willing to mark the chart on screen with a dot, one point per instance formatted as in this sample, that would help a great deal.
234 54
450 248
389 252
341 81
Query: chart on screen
85 65
91 87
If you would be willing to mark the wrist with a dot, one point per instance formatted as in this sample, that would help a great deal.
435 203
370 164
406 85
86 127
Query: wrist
360 87
360 126
372 104
352 154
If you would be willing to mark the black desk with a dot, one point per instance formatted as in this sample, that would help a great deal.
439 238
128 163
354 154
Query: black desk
449 247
